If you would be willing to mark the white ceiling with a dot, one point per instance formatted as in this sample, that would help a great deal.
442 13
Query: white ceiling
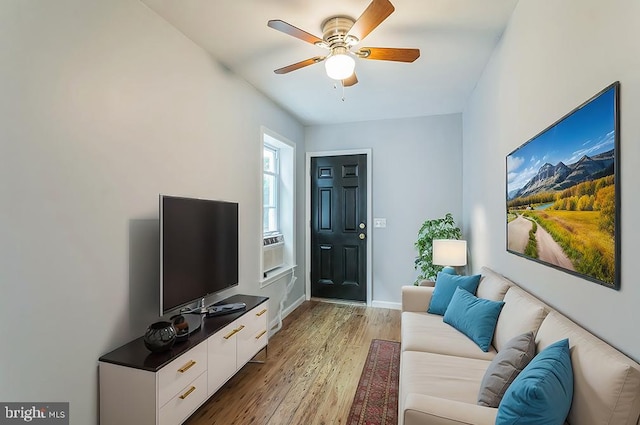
455 38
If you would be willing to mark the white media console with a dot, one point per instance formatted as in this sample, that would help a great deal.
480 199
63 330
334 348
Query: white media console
138 387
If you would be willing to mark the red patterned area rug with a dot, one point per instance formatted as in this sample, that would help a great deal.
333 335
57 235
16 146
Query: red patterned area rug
376 399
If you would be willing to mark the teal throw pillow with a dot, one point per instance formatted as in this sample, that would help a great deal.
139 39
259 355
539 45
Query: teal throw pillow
446 285
541 394
475 317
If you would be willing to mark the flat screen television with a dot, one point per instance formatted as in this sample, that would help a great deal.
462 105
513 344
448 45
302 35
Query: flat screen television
198 249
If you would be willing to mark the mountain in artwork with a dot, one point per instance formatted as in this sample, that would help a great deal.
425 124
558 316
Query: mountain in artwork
554 178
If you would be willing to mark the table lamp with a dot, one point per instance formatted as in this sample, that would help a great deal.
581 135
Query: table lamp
449 253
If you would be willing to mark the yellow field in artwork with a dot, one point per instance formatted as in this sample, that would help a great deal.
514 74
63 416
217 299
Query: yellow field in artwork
590 248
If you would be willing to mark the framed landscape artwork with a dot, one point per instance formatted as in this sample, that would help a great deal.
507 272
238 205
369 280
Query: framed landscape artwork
563 193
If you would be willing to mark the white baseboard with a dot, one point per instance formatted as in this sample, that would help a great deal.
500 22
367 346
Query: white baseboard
293 306
386 304
287 311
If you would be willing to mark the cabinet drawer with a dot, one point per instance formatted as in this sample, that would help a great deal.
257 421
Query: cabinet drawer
221 357
255 336
259 326
185 402
256 319
249 343
176 375
260 313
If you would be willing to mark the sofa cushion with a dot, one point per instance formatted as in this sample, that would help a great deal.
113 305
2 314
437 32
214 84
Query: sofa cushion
541 394
450 377
606 382
493 286
427 332
446 285
475 317
505 366
521 313
420 409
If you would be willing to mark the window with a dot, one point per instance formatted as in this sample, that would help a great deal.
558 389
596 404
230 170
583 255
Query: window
278 207
271 183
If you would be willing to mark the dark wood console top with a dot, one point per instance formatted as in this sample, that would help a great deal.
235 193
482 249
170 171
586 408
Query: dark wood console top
135 355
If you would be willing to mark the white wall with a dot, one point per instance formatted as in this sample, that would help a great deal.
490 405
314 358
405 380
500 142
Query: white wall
103 107
554 56
416 173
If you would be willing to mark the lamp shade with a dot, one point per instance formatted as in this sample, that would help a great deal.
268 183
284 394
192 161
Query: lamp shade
340 66
449 252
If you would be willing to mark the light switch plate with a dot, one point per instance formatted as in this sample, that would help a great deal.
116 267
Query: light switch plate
379 222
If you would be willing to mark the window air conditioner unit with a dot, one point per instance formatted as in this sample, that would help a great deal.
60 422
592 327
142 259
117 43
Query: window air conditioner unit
272 252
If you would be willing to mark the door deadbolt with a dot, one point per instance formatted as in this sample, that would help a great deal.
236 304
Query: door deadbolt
362 225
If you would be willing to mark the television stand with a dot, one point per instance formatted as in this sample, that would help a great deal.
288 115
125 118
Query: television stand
140 387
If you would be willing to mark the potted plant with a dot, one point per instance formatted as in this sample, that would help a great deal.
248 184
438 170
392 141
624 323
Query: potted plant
440 228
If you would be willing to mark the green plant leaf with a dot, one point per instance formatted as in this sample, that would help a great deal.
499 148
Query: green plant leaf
439 228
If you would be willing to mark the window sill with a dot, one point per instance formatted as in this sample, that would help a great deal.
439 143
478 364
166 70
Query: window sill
276 274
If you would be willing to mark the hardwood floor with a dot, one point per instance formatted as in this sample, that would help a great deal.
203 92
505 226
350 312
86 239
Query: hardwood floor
311 372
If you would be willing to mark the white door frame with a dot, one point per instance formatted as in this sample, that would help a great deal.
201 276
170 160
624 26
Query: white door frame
307 190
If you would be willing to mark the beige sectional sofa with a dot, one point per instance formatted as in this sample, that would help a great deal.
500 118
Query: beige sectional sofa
441 369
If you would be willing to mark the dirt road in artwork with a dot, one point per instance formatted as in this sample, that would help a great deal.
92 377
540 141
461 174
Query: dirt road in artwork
518 234
549 250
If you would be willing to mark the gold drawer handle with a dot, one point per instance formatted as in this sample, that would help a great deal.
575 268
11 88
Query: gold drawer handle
233 332
230 334
185 395
262 312
186 367
261 333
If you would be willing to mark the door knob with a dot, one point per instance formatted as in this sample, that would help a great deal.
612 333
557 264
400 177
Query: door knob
361 236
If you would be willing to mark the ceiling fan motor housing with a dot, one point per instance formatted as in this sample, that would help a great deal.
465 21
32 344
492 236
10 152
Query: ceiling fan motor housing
334 32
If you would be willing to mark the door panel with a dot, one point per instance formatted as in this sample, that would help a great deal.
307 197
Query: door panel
326 265
350 209
325 209
350 263
338 228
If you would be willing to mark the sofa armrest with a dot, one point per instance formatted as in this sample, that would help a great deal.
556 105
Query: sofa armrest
420 409
416 298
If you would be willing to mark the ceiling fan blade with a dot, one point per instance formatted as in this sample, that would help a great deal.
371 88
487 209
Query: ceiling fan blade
289 29
350 81
389 54
374 14
299 65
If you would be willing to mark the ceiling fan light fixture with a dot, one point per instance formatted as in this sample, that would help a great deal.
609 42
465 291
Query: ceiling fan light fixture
340 65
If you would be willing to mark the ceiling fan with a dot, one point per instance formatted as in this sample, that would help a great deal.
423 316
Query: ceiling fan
340 35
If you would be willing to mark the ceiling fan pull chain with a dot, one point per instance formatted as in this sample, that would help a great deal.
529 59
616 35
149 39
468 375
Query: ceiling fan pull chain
335 87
